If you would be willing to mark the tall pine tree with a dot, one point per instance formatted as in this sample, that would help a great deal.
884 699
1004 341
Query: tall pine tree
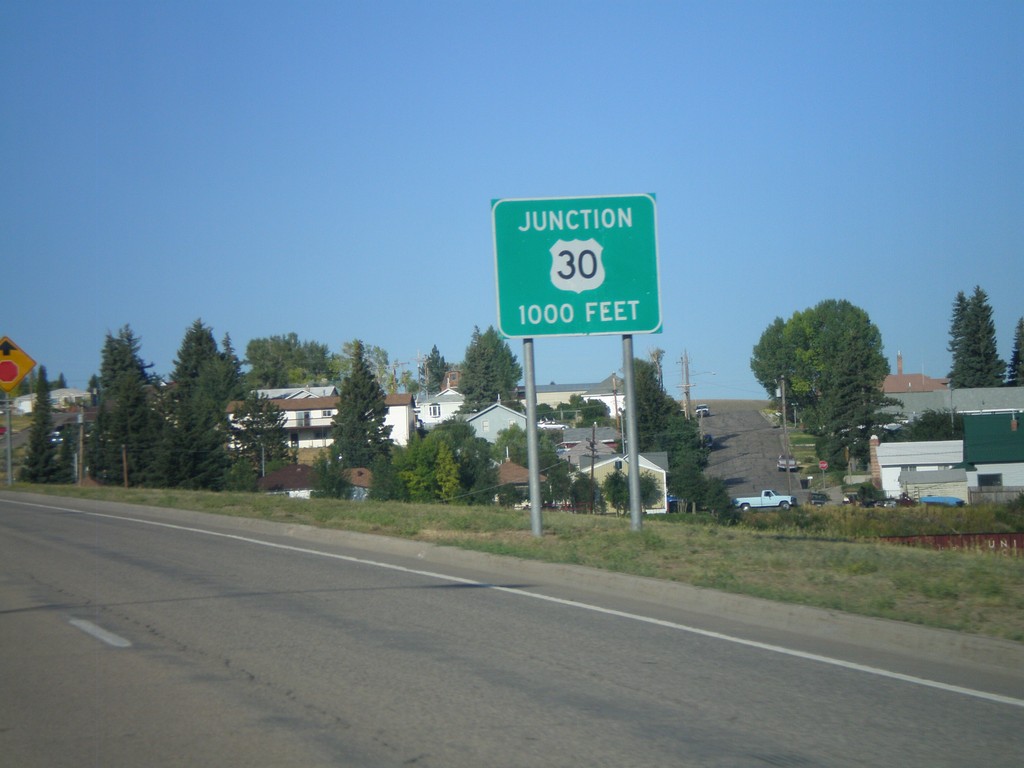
361 438
1015 368
41 463
434 371
972 332
124 438
193 450
258 434
489 373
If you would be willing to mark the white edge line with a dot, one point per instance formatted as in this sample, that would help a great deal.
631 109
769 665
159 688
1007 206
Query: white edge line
993 697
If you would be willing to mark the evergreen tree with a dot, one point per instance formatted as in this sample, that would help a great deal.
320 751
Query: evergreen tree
654 408
976 362
331 478
194 441
958 331
66 457
489 373
127 428
662 426
360 435
434 371
258 434
41 462
933 425
1015 368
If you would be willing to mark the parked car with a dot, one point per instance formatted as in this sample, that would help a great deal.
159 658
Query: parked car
787 464
819 499
702 410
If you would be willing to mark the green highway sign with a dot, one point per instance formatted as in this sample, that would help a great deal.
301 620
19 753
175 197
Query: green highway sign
576 266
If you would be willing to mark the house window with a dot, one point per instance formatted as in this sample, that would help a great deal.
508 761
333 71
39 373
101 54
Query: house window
434 410
326 414
990 481
295 439
305 418
485 426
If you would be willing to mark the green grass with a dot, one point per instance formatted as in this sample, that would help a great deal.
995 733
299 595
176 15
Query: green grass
826 557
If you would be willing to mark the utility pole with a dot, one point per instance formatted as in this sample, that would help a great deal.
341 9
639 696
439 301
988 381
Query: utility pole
593 460
686 384
787 453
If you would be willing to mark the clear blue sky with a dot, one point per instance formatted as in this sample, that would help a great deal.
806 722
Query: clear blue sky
327 168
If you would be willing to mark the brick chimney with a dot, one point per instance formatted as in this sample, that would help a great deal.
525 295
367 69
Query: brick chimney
899 363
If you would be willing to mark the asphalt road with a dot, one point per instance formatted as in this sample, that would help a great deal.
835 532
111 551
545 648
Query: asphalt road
746 453
135 636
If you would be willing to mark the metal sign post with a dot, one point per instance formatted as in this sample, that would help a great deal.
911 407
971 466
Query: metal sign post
15 365
632 436
532 441
577 266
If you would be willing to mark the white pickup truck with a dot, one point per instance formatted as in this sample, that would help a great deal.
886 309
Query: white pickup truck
767 499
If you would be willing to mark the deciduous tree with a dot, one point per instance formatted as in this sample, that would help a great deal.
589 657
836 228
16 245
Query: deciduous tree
831 357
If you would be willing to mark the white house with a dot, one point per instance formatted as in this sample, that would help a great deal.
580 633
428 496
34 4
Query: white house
309 419
401 417
435 409
921 468
63 397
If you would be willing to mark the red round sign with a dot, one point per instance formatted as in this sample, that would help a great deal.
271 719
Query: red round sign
9 370
822 465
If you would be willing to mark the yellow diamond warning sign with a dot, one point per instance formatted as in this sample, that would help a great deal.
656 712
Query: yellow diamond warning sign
14 365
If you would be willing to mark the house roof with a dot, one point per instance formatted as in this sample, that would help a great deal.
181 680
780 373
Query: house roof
575 435
494 407
289 393
581 452
360 477
444 396
913 382
296 404
976 400
614 384
993 438
294 477
398 399
921 452
300 477
515 474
